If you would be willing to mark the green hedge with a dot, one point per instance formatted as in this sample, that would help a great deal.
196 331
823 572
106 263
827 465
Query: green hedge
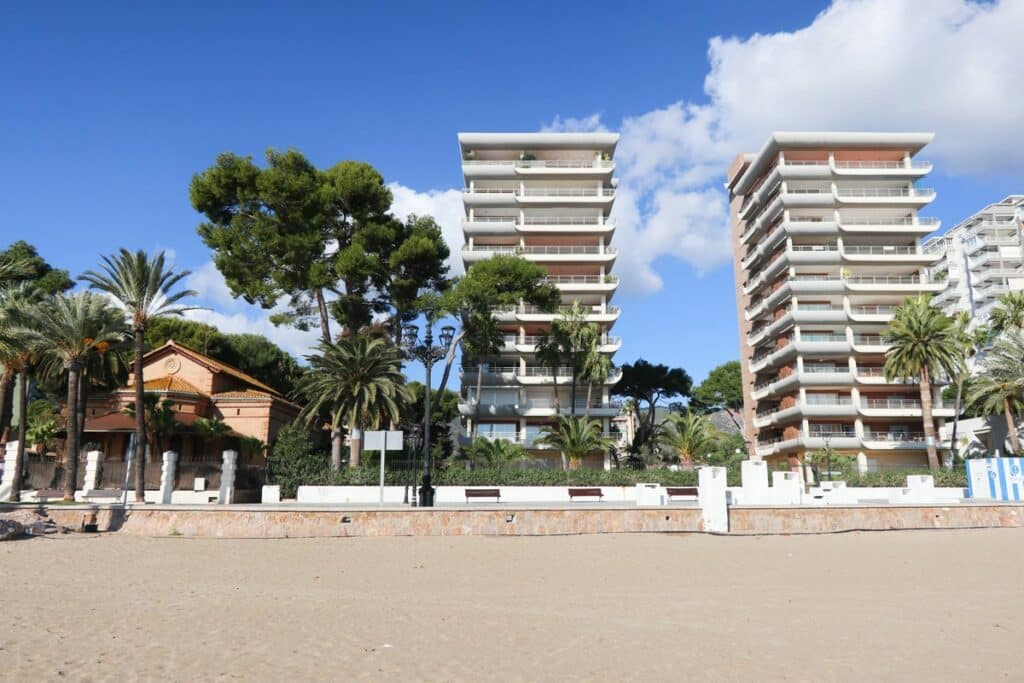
955 478
457 476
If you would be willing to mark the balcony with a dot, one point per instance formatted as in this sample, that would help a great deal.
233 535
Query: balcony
511 168
892 283
542 254
910 196
584 283
881 168
565 224
514 196
872 313
895 254
889 224
879 440
870 343
597 314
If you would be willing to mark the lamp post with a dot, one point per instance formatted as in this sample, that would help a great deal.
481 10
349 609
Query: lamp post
427 353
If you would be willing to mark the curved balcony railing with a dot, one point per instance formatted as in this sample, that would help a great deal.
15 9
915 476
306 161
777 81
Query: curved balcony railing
880 250
540 163
884 192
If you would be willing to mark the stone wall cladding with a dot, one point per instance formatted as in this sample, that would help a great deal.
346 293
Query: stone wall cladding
242 521
816 520
256 523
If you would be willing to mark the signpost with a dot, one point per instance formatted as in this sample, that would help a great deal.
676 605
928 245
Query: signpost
382 441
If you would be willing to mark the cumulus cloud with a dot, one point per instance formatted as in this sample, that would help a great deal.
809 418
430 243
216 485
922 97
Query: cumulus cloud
235 316
945 66
446 208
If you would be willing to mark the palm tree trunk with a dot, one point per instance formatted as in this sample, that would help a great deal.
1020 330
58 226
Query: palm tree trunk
956 415
928 421
19 454
448 362
1011 426
572 410
71 445
337 443
5 390
83 399
590 393
355 446
140 418
476 409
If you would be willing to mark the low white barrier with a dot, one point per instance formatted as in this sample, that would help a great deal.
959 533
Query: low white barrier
394 495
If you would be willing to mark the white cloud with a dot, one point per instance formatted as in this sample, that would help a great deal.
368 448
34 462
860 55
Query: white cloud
588 124
235 316
946 66
446 208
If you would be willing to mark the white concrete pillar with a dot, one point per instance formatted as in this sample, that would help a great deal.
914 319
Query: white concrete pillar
754 478
167 477
227 478
862 462
711 496
93 462
7 481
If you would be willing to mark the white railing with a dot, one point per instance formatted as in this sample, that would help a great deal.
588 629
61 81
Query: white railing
885 191
807 190
870 340
880 250
885 280
493 219
815 247
880 309
822 337
805 162
562 220
491 190
581 279
540 250
891 403
824 308
540 163
870 164
813 368
568 192
893 437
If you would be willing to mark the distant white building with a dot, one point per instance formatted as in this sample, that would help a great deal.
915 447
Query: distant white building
982 259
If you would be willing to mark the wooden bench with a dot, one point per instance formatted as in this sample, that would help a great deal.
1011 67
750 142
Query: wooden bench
46 494
575 493
678 491
483 493
103 493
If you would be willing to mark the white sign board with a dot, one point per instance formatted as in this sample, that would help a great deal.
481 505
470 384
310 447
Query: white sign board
383 440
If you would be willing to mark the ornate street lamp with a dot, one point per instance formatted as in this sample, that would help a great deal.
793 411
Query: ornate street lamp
427 353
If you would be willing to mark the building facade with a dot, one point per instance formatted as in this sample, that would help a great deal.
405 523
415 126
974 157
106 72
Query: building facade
980 260
826 243
548 198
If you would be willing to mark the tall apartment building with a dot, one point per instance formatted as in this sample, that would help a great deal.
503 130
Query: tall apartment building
826 245
547 197
980 259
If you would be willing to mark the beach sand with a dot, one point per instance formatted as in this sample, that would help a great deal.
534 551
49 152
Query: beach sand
913 605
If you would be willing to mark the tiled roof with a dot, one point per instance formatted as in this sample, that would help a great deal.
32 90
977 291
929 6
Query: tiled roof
248 393
168 383
214 365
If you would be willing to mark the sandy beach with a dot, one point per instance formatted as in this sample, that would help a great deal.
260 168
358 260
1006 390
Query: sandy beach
926 606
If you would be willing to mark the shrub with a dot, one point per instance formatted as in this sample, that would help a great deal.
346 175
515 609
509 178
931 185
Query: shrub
294 461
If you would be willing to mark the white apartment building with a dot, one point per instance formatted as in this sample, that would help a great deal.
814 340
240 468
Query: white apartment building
547 197
826 245
980 259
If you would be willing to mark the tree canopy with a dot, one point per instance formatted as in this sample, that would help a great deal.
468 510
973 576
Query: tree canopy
722 388
322 240
648 384
38 273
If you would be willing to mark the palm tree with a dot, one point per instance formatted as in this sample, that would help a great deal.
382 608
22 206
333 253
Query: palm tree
497 453
970 341
1000 387
145 288
211 429
159 417
922 345
11 271
359 382
567 342
482 339
575 437
1008 313
690 436
19 356
68 329
595 369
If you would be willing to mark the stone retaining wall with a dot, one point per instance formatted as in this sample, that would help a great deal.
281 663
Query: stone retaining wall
813 520
243 521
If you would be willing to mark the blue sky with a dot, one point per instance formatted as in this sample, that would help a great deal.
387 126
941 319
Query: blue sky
109 109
